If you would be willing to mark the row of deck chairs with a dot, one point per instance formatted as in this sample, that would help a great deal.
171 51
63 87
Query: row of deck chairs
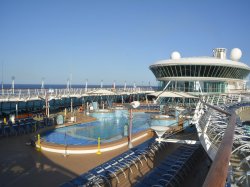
22 126
104 173
173 169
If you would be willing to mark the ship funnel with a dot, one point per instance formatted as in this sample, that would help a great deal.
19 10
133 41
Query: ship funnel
220 53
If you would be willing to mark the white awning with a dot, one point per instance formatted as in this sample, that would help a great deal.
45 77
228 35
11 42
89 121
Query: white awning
101 92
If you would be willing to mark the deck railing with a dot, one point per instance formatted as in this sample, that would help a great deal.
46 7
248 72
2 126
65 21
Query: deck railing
27 94
218 172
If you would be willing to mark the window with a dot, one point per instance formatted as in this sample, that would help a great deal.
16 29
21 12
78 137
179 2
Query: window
202 71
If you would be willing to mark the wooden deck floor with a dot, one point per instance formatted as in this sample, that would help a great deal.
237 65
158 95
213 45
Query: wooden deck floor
22 165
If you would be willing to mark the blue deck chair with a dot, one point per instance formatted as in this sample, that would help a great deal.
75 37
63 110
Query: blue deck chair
124 163
28 128
6 130
22 128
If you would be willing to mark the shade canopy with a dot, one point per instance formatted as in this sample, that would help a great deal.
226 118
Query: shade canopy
101 92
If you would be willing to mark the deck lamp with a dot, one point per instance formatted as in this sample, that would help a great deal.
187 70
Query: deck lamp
131 106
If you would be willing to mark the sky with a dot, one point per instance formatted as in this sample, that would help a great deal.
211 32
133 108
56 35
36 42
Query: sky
107 40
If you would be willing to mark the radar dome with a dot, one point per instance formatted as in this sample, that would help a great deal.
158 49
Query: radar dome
175 55
236 54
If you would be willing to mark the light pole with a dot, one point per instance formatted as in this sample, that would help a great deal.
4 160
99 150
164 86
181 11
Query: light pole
125 85
13 84
46 100
16 109
130 145
71 106
114 85
86 86
47 104
2 79
68 84
101 83
42 85
131 106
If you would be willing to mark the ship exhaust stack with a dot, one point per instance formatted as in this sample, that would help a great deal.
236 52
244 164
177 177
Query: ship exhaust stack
220 53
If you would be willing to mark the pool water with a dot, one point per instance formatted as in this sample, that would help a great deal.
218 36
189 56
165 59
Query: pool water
158 122
109 127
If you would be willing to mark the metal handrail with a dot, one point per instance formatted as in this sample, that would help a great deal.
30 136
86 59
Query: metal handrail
217 174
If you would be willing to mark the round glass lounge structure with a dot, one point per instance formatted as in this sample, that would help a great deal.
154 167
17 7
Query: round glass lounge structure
215 74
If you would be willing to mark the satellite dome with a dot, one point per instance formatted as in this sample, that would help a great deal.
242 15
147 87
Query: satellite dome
235 54
175 55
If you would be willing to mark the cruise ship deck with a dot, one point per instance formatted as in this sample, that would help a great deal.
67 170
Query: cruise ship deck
193 131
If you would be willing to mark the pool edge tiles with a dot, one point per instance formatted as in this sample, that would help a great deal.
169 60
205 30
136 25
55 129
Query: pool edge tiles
88 149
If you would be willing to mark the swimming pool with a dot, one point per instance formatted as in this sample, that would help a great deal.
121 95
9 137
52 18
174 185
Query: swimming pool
109 127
